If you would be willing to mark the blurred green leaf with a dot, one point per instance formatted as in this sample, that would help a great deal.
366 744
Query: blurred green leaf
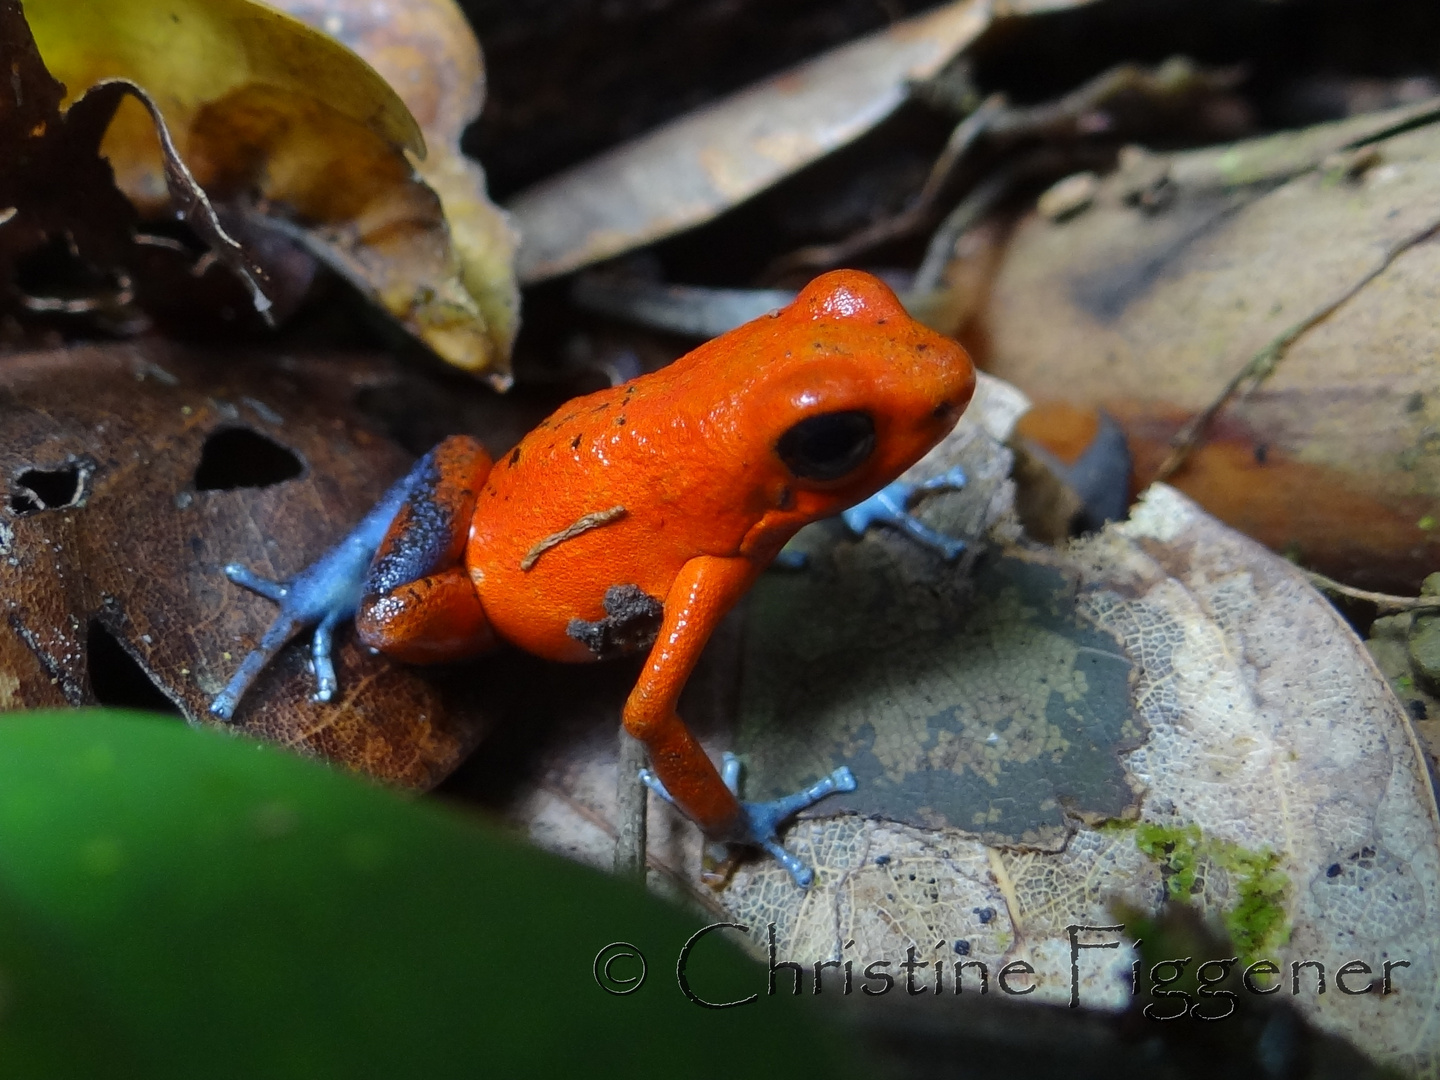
176 902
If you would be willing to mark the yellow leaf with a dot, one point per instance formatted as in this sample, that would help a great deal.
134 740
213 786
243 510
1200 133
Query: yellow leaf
190 53
425 49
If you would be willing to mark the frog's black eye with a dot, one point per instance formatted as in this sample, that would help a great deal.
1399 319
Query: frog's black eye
828 446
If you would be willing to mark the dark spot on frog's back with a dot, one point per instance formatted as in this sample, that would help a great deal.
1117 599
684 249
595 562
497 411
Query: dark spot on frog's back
514 458
575 442
632 620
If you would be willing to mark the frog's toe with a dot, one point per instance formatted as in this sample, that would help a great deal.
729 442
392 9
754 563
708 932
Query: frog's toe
653 782
281 630
325 682
790 559
801 874
889 506
730 772
952 479
759 823
244 576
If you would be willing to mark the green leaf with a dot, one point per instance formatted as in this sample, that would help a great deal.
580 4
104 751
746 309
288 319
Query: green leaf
176 902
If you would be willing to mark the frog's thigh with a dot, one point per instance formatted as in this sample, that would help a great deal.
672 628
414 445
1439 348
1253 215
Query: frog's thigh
419 604
427 621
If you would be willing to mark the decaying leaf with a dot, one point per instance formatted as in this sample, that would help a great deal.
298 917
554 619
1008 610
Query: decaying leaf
290 131
1297 270
123 502
1276 780
690 170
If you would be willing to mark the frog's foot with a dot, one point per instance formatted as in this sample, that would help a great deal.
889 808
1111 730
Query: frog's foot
323 595
760 822
890 506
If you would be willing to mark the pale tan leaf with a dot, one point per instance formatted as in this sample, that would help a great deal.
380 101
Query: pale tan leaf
1259 732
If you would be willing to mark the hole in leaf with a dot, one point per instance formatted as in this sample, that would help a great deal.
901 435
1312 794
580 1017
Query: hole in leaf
54 279
116 679
22 503
239 458
46 489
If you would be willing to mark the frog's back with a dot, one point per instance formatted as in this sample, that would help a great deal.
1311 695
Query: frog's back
615 491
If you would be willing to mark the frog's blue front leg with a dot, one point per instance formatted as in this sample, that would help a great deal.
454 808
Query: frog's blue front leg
325 593
762 820
890 506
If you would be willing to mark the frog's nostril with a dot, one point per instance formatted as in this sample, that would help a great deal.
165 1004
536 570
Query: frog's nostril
945 410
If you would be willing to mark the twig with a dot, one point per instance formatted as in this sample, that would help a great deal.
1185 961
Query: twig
984 198
630 804
1263 363
913 217
1076 117
1384 601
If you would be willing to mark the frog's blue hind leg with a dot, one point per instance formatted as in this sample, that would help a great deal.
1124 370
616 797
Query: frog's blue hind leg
762 820
399 570
325 592
890 506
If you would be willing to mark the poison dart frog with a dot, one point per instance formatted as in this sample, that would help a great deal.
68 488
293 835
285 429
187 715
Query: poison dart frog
635 517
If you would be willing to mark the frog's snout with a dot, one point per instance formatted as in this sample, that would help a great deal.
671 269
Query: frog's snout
947 412
953 384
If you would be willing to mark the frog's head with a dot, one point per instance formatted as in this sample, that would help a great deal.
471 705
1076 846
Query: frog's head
842 391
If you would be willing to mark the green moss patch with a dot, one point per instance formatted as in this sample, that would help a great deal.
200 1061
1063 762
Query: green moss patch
1257 921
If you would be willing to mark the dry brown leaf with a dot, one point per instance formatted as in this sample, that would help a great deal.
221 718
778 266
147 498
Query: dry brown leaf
1310 257
124 501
